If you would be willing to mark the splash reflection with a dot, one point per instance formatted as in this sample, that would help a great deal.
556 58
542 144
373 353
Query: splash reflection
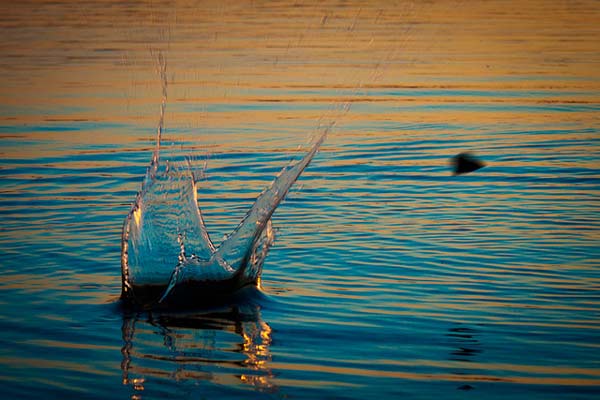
226 346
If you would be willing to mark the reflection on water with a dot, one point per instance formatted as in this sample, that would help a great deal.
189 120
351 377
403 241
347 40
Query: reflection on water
224 346
466 343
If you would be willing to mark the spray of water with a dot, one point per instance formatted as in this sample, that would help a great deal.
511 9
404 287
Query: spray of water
166 250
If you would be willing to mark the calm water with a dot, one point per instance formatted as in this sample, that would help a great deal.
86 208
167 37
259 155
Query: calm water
388 277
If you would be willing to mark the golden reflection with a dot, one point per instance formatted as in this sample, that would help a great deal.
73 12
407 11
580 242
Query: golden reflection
225 346
137 216
219 57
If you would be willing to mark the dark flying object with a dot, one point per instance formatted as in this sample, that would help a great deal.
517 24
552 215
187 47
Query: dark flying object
464 163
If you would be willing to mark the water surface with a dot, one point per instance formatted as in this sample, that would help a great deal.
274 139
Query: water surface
388 276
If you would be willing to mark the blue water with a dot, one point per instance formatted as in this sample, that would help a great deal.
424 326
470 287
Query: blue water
388 277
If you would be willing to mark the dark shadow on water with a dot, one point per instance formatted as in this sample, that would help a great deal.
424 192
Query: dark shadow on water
202 348
465 343
193 295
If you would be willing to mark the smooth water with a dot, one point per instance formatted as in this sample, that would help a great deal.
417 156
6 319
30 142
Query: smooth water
388 277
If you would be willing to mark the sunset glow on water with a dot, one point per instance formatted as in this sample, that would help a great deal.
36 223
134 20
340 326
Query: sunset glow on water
389 277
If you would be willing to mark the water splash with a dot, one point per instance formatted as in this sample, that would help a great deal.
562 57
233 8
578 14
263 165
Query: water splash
167 255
